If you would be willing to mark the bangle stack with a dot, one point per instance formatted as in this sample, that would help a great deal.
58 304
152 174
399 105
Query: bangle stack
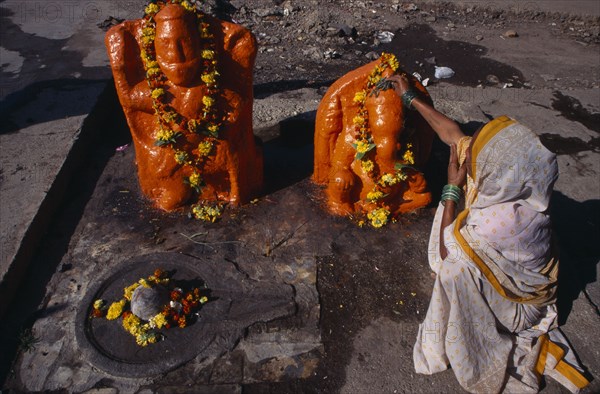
451 192
408 97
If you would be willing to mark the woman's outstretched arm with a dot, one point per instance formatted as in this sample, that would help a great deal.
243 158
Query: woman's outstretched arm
446 128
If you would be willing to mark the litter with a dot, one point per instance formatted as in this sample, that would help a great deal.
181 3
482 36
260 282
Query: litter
443 72
385 36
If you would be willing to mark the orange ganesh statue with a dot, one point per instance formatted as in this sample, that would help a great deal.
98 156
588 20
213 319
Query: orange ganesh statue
184 80
367 145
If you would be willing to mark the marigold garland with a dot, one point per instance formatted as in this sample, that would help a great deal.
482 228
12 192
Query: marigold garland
171 124
364 145
178 313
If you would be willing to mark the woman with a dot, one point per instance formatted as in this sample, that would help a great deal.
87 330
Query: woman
492 315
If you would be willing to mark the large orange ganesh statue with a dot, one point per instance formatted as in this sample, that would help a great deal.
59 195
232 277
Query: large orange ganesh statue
184 80
367 145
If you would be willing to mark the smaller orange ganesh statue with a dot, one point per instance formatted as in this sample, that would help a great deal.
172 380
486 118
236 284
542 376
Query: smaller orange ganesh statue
367 145
184 80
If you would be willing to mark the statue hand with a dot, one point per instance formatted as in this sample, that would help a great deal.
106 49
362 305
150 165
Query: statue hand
457 175
344 179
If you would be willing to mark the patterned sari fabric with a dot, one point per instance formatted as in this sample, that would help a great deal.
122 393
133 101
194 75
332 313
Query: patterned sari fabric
492 315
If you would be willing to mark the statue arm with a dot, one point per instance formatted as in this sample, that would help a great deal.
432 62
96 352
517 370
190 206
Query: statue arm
240 48
328 126
128 71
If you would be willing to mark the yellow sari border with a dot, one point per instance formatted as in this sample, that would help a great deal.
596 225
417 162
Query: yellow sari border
562 367
488 132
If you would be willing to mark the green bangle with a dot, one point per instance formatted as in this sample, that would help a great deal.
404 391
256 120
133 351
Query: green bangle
451 192
408 97
452 187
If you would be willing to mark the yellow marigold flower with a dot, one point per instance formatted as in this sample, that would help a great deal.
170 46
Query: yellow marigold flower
374 195
115 310
204 32
208 54
203 300
209 79
378 217
169 116
153 71
206 213
205 147
360 97
181 157
361 223
187 6
374 79
148 31
156 93
362 146
164 135
367 165
195 179
99 304
409 145
358 120
152 64
128 292
213 128
388 179
158 321
132 324
409 157
401 176
208 101
146 40
144 283
151 9
391 60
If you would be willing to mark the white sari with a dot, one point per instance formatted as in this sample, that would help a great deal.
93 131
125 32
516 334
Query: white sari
492 315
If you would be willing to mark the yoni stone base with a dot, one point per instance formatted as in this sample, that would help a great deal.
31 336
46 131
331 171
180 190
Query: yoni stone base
235 304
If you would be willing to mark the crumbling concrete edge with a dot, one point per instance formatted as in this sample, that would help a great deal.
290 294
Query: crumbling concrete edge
82 142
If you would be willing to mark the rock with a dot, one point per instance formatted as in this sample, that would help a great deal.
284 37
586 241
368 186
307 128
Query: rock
451 25
430 18
479 37
510 34
313 53
492 79
263 12
147 302
288 8
430 60
372 55
331 54
409 7
344 30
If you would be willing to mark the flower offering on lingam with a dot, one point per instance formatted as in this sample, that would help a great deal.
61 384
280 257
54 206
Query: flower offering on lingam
151 304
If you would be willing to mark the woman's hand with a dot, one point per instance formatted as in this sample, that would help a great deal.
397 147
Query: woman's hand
457 175
401 84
